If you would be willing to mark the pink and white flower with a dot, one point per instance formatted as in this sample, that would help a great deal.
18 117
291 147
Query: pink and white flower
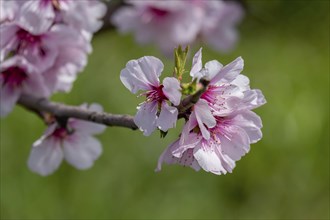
74 143
18 76
221 126
143 74
165 23
172 23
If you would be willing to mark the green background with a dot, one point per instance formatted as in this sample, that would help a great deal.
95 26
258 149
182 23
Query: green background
285 45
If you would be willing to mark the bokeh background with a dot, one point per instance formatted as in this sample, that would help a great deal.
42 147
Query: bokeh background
285 45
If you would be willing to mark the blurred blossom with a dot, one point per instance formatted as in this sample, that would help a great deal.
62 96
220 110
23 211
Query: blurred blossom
222 126
172 23
18 76
74 143
143 74
53 36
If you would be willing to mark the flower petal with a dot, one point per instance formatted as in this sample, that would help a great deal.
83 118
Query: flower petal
167 117
229 72
213 68
187 158
142 74
172 90
146 117
81 150
204 117
46 156
8 98
251 123
36 17
197 64
208 159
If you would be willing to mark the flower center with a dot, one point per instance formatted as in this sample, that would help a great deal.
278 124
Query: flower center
14 76
62 132
156 94
27 38
158 13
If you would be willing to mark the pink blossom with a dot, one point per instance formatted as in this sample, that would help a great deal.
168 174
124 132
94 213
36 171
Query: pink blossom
165 23
230 139
8 10
221 126
18 76
81 15
219 29
39 49
143 74
172 23
74 143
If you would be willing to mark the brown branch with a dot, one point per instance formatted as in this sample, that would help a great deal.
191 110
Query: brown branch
42 107
61 110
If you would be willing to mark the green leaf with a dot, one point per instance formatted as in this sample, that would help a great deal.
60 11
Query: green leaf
180 57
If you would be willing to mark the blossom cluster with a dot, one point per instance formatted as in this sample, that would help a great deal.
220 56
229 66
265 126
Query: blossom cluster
44 45
219 128
171 23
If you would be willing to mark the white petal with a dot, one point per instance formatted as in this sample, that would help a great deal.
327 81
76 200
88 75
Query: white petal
208 160
172 90
204 117
46 156
167 117
197 64
236 143
251 123
229 72
142 74
81 150
36 17
191 142
8 98
146 118
186 159
213 68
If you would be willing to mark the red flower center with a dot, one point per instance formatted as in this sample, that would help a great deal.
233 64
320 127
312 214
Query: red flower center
156 12
14 76
156 94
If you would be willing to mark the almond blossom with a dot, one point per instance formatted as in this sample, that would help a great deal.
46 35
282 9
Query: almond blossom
143 74
221 126
74 143
165 23
171 23
18 76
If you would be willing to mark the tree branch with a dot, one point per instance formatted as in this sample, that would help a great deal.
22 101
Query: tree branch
42 106
61 110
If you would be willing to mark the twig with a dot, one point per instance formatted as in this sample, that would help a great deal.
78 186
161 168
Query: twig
41 106
61 110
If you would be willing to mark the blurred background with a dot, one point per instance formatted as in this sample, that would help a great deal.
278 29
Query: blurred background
285 45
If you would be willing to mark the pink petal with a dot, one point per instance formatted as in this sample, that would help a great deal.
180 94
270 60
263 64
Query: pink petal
213 68
208 159
204 117
251 123
172 90
36 17
229 72
167 117
197 64
146 117
45 157
142 74
8 98
81 150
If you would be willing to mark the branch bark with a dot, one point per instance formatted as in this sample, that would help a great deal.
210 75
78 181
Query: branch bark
62 110
40 106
